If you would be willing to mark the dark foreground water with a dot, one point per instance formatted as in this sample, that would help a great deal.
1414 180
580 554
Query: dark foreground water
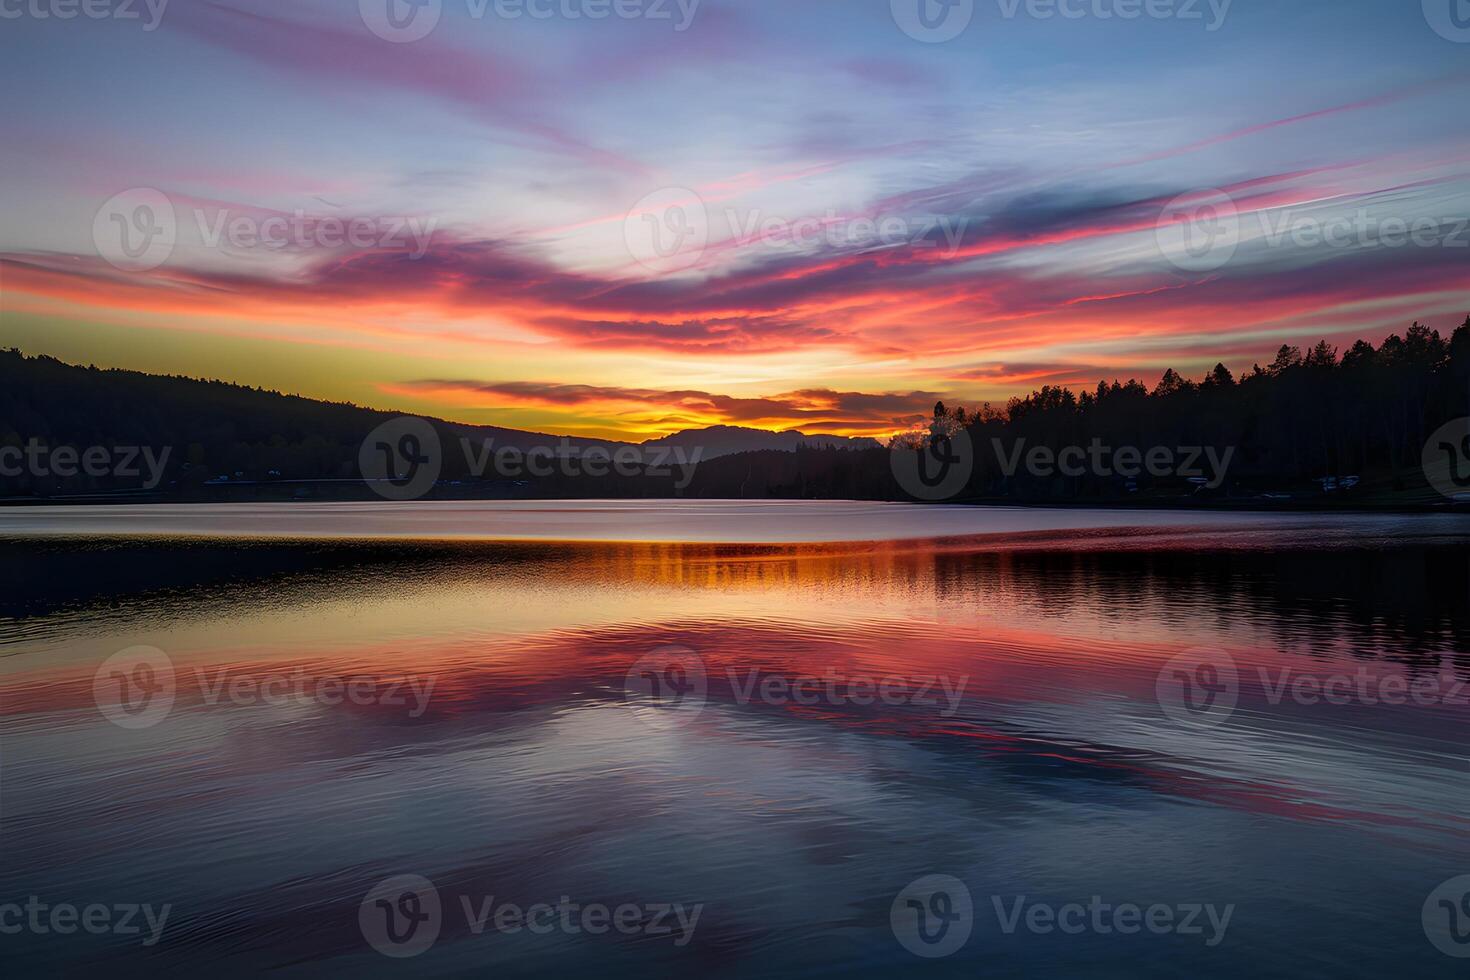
1232 748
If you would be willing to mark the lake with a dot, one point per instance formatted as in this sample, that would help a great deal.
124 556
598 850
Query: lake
732 738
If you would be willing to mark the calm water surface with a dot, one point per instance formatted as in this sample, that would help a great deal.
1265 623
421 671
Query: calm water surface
500 749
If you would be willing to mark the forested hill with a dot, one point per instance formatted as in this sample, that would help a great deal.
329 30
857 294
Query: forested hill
1314 427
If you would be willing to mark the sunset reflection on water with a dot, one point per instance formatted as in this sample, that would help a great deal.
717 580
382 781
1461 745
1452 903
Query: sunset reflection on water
1039 762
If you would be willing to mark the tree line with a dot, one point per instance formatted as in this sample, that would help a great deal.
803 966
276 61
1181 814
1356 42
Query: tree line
1316 420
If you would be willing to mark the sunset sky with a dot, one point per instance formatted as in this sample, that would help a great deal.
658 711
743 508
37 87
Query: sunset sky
870 221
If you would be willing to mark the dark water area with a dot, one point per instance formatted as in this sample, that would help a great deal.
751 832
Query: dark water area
752 758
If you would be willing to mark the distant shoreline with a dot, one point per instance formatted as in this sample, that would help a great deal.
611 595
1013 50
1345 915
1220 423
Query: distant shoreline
1302 505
